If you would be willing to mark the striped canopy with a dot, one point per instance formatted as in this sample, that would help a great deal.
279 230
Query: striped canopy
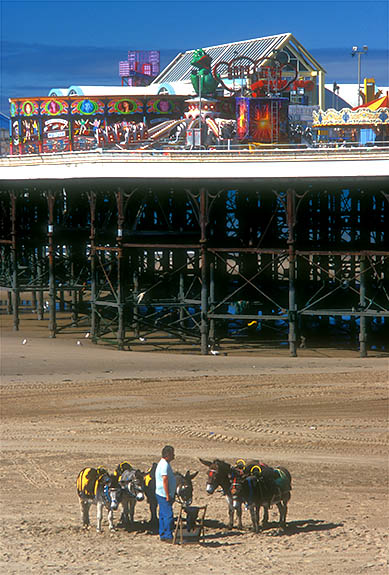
382 102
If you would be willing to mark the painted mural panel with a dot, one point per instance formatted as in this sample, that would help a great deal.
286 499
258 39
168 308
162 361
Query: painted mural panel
262 120
87 107
15 137
29 108
125 106
30 137
55 107
56 135
85 132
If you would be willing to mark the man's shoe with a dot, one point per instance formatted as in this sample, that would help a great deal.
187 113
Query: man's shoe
167 540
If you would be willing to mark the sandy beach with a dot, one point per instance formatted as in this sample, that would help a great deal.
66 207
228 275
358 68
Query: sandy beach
65 406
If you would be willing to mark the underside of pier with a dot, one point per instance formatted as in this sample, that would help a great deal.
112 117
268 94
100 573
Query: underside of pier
207 264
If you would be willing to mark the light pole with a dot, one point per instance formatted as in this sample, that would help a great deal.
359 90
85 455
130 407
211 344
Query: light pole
200 123
358 52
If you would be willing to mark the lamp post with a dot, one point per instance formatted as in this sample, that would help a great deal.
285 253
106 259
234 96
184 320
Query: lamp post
358 52
200 123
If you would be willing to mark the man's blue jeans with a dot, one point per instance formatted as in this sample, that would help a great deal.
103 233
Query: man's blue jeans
165 518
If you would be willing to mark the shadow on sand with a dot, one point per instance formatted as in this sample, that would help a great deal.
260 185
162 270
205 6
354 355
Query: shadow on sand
302 526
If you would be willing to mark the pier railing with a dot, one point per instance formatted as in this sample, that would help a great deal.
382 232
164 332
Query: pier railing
211 155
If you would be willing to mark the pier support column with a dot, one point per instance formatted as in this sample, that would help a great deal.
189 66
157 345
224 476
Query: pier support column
120 264
14 265
362 305
52 291
291 211
204 274
39 303
212 333
135 303
92 237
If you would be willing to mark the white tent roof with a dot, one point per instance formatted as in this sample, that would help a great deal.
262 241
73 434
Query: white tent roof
349 92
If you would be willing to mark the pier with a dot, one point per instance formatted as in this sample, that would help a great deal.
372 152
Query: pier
267 248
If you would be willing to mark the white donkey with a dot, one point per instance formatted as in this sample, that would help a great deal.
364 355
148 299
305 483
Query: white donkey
98 487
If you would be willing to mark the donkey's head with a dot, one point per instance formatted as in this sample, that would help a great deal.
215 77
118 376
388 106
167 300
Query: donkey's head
132 481
184 489
111 492
217 474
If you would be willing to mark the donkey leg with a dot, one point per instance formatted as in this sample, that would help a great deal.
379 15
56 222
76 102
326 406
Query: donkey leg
239 516
110 520
257 509
99 516
153 516
84 508
230 513
132 509
253 514
265 520
283 509
124 516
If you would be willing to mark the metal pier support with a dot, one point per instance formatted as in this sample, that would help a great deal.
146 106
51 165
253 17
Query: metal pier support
14 265
362 304
52 290
204 274
292 273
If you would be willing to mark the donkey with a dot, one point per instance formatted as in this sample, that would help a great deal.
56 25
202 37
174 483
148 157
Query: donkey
98 487
184 491
149 488
131 483
184 487
262 487
221 474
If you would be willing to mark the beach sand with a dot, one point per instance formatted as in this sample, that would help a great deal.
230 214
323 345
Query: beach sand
66 406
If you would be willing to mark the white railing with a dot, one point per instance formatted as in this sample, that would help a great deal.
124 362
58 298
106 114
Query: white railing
238 154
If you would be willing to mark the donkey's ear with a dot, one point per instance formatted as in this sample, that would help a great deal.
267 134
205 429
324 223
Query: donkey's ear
205 462
193 475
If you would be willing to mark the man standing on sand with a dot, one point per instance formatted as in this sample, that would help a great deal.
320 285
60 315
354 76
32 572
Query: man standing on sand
165 489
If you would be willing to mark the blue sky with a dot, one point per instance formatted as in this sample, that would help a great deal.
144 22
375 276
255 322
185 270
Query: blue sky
57 43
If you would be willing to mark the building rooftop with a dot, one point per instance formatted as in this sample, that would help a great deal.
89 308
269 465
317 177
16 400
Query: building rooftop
180 68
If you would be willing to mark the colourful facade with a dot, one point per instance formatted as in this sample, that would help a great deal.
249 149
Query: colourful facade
50 125
263 120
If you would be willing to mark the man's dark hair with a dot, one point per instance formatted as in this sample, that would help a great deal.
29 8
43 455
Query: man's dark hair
167 450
